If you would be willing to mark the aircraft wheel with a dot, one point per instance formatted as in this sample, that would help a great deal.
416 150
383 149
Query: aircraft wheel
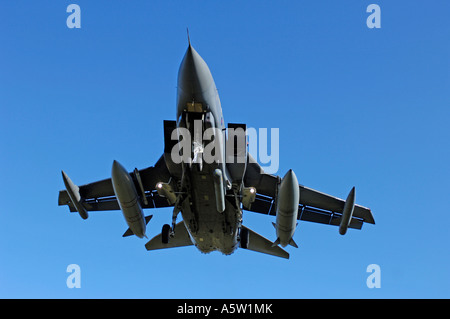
165 233
244 238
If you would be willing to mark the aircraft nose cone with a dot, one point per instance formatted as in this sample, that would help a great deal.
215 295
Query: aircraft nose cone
194 76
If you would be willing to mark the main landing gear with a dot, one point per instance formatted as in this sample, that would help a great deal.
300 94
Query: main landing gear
244 237
166 233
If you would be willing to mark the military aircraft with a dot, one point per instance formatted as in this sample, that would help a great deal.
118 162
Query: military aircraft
211 192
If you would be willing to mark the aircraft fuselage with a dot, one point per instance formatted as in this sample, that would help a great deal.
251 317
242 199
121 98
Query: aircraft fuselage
199 108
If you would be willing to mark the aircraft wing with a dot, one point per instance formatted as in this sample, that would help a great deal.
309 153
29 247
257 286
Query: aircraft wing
99 196
314 206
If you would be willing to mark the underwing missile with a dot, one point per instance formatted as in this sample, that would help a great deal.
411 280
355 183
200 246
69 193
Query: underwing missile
219 190
127 198
347 212
287 209
74 195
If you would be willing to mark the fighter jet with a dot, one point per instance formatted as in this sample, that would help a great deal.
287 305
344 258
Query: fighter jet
207 174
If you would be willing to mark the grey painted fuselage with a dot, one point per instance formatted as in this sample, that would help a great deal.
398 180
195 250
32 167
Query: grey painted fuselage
209 229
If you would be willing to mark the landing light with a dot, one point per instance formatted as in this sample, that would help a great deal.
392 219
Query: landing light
249 196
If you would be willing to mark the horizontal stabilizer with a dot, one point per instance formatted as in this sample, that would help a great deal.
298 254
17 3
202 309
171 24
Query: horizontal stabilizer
180 239
260 244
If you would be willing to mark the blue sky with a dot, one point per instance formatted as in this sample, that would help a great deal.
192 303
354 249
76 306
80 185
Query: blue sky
355 107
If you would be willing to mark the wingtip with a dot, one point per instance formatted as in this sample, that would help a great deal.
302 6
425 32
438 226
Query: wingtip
373 219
